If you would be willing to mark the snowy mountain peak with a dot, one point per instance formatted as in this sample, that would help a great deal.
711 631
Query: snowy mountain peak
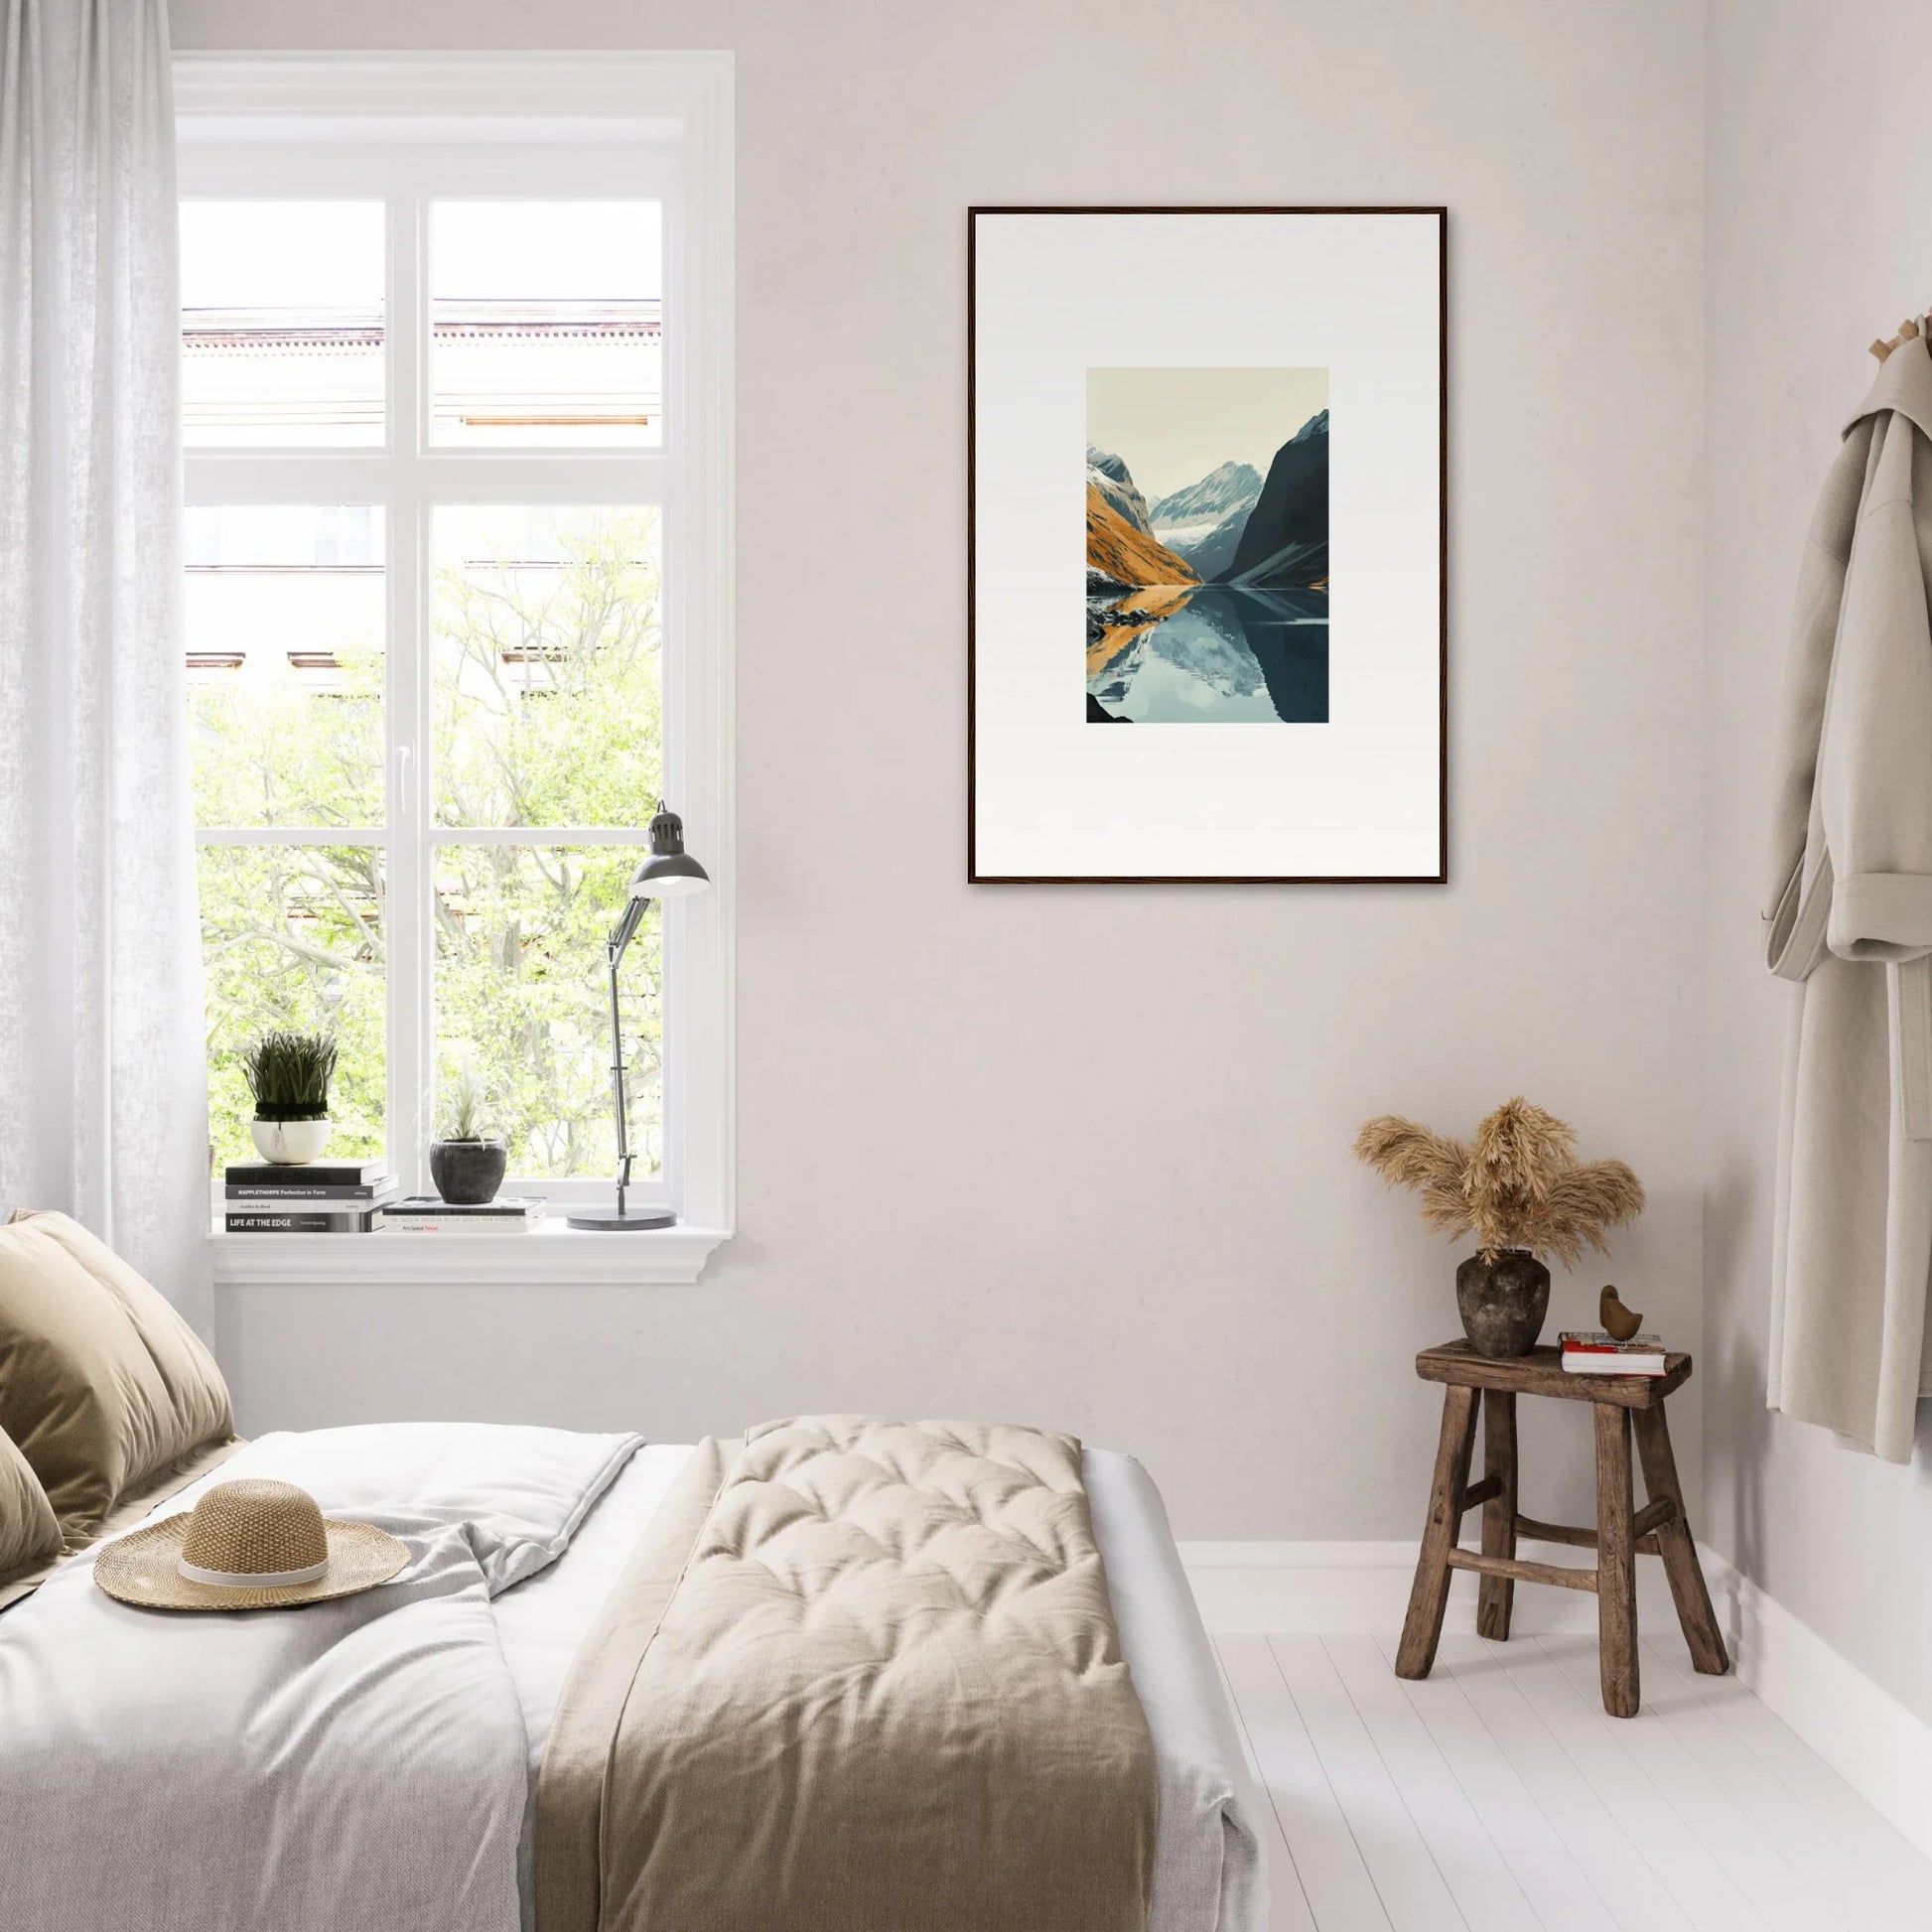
1227 487
1107 473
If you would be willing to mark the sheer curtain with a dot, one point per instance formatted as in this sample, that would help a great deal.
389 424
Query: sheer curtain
102 1068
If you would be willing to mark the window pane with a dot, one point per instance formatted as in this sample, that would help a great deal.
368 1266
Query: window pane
547 684
546 324
293 937
281 323
284 626
523 1001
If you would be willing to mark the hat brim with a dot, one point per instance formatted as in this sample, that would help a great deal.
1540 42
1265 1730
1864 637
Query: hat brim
142 1568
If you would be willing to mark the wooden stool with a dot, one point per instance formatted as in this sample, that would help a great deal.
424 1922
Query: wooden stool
1659 1529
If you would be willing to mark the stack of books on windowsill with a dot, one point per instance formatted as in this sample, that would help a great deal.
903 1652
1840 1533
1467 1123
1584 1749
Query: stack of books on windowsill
1595 1351
425 1214
323 1198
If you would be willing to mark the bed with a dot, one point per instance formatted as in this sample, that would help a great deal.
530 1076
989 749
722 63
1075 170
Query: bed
500 1631
1207 1875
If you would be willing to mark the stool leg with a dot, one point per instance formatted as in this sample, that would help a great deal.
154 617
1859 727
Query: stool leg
1678 1547
1421 1629
1616 1562
1496 1595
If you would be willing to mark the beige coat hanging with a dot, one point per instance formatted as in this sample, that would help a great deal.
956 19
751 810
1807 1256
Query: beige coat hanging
1850 917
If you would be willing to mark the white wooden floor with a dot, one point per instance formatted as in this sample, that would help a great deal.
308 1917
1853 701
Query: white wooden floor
1496 1795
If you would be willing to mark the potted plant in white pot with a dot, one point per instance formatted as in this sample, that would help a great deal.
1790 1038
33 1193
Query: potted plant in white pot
468 1162
289 1075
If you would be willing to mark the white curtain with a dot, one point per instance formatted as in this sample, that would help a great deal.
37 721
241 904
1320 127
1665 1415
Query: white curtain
102 1066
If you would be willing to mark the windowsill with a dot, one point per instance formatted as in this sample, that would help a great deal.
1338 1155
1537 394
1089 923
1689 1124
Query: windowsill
550 1254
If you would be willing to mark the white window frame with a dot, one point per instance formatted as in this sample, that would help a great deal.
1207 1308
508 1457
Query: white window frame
404 129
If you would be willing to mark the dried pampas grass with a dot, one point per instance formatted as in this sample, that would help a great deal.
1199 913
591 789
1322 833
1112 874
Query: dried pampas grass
1517 1185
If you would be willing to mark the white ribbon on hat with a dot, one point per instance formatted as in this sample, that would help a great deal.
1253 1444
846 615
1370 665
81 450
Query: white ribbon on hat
253 1579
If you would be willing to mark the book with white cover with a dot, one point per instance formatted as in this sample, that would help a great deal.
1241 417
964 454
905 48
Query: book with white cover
1579 1361
425 1214
455 1224
1593 1351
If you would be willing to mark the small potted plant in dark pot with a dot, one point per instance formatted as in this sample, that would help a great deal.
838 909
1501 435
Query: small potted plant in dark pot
289 1074
1518 1189
467 1162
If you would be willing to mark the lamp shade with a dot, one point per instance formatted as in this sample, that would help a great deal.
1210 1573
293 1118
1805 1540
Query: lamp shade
671 871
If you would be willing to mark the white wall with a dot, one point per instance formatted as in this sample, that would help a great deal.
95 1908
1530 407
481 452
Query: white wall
1820 238
1080 1155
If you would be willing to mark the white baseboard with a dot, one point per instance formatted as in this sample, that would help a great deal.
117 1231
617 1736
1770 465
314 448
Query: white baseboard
1878 1747
1872 1740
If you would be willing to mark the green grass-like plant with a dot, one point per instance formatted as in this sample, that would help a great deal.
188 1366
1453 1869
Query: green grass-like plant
462 1114
289 1074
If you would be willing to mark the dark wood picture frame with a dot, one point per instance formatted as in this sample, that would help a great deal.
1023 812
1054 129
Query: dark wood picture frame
974 876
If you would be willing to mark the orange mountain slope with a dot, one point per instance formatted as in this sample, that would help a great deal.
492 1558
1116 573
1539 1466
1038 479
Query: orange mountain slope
1128 555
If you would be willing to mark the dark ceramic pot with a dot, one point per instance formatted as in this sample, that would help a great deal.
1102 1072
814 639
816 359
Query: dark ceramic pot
468 1173
1504 1302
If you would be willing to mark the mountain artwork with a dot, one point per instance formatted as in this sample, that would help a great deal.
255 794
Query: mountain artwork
1203 359
1208 546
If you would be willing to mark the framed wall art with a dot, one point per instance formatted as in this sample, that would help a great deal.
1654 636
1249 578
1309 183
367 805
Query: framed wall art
1207 503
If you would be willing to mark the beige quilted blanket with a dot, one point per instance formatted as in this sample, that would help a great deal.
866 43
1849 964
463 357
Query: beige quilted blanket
863 1676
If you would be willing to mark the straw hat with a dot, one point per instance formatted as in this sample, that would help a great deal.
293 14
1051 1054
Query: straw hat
248 1545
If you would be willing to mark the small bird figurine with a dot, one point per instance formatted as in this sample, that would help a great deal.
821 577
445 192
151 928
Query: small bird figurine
1618 1322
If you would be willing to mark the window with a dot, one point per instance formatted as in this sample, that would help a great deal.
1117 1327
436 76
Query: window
455 339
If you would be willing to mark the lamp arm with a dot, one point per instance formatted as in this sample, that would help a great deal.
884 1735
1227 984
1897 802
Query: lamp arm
627 926
615 948
613 953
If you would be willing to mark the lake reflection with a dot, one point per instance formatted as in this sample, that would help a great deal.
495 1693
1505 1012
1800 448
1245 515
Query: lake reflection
1208 654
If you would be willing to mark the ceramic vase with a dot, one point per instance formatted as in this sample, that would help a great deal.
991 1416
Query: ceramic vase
1503 1301
468 1173
290 1143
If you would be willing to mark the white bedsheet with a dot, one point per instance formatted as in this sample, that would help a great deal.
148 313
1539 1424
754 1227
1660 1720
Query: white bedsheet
355 1765
1208 1873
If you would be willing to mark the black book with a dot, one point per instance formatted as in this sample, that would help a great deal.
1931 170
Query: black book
301 1221
269 1197
317 1174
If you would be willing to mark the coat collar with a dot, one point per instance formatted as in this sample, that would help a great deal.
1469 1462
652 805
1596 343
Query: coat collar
1904 384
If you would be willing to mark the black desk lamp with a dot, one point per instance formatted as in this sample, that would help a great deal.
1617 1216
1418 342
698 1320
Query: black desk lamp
669 873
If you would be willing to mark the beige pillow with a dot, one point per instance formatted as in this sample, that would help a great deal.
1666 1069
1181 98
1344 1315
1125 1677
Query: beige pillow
102 1383
29 1534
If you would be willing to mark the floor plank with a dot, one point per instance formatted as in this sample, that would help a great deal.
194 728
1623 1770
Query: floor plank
1557 1888
1829 1862
1776 1890
1407 1879
1883 1851
1496 1796
1288 1905
1322 1860
1615 1863
1697 1883
1481 1884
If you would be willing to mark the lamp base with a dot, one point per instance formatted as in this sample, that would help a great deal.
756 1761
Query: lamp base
609 1220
